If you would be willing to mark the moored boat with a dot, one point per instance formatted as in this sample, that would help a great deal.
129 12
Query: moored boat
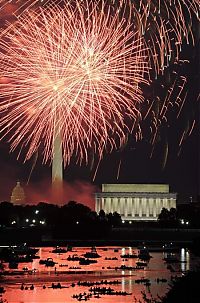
92 254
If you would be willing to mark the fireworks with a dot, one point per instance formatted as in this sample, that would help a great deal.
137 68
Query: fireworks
75 69
73 72
165 24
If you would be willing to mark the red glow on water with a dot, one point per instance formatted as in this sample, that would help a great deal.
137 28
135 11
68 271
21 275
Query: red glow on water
102 270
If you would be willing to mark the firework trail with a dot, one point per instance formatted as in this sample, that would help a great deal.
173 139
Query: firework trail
82 68
75 72
165 24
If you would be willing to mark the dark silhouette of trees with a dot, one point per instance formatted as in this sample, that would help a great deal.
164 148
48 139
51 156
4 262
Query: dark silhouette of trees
70 220
185 216
168 218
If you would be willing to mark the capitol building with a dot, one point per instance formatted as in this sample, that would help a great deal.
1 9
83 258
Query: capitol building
135 202
18 195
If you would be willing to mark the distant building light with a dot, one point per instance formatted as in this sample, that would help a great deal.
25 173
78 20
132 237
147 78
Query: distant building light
27 220
37 211
33 220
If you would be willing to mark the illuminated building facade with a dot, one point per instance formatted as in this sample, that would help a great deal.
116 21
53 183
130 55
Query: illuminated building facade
18 195
135 202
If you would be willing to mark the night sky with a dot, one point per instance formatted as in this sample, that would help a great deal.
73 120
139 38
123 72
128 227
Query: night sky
168 163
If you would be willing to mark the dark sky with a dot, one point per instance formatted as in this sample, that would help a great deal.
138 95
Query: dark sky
169 163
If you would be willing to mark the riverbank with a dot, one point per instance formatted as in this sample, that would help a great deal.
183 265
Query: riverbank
129 236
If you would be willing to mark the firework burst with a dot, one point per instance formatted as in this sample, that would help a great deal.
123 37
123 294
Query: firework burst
73 72
74 69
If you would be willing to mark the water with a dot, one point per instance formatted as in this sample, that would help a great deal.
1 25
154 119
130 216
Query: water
39 275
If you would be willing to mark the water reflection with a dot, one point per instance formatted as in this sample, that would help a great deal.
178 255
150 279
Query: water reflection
185 259
69 273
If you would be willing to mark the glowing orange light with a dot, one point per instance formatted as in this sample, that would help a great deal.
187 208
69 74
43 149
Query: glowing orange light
75 72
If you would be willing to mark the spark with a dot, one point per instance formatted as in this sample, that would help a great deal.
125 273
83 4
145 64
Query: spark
73 72
79 66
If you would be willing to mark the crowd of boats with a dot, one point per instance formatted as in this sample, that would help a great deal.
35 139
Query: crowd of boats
24 254
14 255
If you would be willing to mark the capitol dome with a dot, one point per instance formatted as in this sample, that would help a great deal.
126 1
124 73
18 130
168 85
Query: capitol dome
18 195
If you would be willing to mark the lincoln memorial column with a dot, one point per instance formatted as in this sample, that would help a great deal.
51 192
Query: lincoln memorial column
126 207
147 207
154 208
118 205
129 205
158 206
122 206
137 206
97 204
140 207
132 207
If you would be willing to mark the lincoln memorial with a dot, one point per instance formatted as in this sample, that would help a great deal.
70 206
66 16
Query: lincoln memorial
135 201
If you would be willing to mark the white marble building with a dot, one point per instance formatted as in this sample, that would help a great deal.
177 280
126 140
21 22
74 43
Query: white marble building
135 201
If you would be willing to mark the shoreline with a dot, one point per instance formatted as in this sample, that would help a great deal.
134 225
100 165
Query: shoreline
117 237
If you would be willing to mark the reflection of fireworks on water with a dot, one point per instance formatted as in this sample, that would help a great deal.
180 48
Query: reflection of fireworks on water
71 74
163 26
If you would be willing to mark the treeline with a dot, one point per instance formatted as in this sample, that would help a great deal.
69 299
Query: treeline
184 216
71 219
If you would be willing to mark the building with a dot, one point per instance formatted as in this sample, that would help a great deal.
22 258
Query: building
18 195
135 202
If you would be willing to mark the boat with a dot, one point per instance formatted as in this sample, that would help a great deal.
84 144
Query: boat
143 253
74 257
129 256
142 280
86 261
139 263
59 250
48 262
92 254
23 249
8 255
113 258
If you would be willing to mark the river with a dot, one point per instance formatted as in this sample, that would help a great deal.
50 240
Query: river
70 275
